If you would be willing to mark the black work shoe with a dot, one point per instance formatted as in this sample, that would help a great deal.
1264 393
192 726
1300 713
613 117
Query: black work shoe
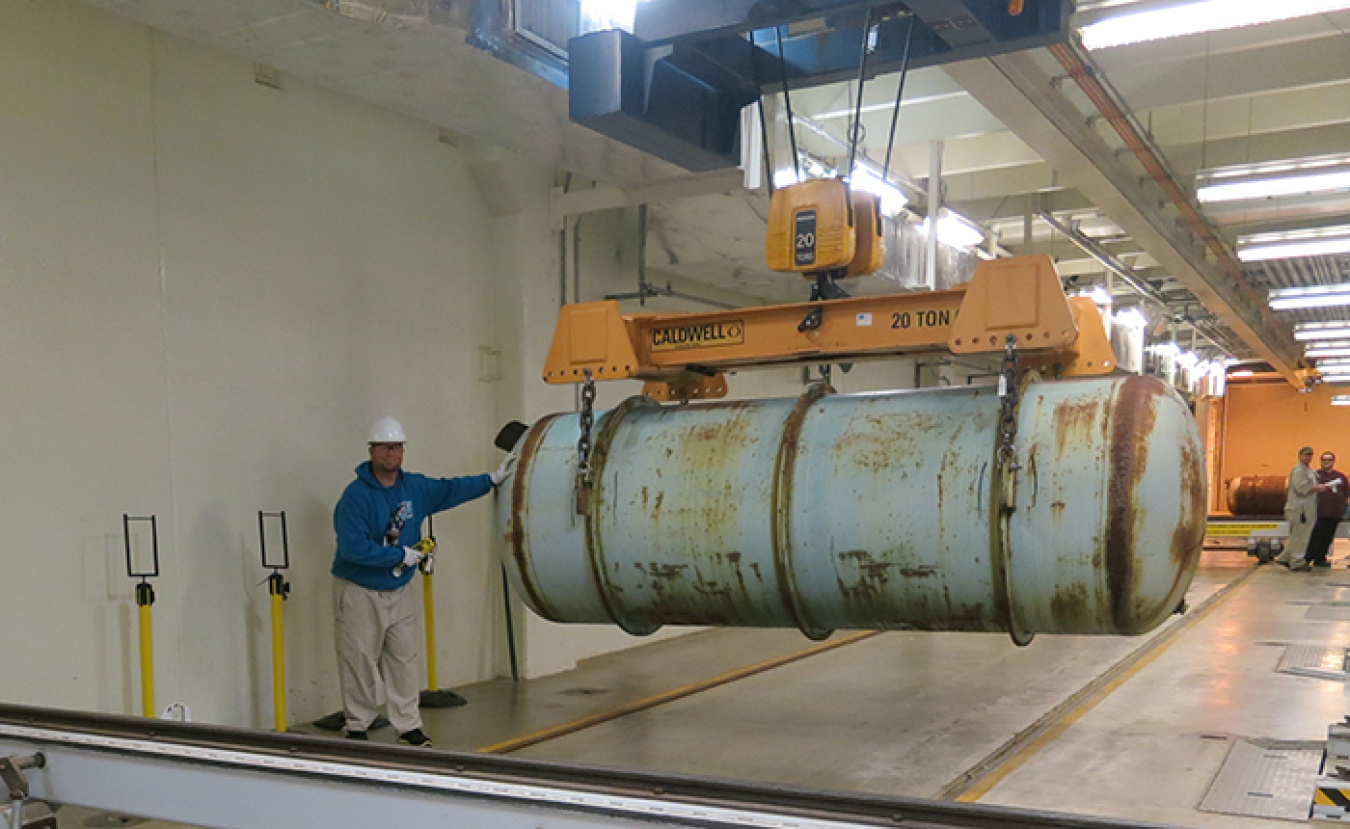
415 738
357 735
1321 564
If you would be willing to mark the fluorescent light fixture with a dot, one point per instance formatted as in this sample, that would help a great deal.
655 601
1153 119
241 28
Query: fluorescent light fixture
1336 364
892 199
1318 241
1270 188
811 168
1243 372
1340 400
1196 18
1307 331
1316 296
1322 351
955 230
1130 318
1273 179
1336 378
598 15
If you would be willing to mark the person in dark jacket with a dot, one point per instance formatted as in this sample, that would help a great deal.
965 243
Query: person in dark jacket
378 522
1330 509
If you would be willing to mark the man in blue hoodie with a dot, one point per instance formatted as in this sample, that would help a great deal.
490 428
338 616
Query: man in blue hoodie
378 521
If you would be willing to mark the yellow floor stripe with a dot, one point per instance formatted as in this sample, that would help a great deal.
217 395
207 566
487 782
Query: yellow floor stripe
981 787
517 743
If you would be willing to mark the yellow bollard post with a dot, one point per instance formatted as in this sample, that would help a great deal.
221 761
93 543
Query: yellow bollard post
433 697
429 604
145 598
278 588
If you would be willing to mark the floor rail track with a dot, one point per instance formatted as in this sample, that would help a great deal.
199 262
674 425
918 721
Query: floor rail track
406 778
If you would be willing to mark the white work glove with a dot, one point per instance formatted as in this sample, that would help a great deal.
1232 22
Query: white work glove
411 557
503 472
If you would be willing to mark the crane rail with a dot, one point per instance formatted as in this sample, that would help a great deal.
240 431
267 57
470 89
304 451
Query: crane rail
210 758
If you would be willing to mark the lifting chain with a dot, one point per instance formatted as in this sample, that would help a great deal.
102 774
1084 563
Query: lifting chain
1005 484
1009 395
584 479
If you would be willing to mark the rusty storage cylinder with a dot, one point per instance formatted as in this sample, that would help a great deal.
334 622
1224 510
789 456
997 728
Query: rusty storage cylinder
868 511
1260 495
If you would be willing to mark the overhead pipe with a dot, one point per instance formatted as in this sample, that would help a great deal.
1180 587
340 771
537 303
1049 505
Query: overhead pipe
1110 104
1114 266
1090 246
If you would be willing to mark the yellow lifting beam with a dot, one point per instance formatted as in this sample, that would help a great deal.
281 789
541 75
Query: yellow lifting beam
683 356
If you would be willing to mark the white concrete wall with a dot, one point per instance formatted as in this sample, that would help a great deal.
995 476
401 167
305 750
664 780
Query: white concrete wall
211 288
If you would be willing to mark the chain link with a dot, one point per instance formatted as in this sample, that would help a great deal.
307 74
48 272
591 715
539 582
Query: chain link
587 421
1008 393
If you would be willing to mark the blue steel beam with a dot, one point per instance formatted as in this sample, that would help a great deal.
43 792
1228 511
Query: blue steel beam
659 22
676 89
832 55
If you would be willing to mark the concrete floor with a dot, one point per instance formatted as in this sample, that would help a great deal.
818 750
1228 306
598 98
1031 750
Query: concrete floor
1132 728
910 713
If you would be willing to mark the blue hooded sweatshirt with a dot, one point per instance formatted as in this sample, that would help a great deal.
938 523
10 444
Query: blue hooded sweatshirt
374 522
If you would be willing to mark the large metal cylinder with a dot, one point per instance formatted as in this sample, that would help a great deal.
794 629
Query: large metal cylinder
1257 495
874 511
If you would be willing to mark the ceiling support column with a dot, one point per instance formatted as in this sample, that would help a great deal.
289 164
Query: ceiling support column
934 209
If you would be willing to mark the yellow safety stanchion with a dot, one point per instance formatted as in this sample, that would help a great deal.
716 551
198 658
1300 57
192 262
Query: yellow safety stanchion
429 605
433 697
278 588
145 599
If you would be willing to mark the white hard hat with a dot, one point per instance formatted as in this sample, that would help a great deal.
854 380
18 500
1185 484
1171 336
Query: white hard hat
387 430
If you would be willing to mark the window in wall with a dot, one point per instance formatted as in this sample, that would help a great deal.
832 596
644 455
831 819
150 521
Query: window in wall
533 34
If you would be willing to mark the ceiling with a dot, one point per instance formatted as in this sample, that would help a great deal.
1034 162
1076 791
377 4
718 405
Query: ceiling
1094 154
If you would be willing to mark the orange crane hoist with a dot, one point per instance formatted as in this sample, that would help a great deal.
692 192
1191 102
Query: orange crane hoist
813 230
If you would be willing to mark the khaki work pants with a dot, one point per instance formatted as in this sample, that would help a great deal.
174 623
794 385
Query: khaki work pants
378 638
1300 531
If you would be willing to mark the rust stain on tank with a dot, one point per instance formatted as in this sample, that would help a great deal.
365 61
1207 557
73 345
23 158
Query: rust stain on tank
1057 512
1189 535
686 594
710 587
881 443
659 574
785 467
1075 424
1134 413
872 575
1069 607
